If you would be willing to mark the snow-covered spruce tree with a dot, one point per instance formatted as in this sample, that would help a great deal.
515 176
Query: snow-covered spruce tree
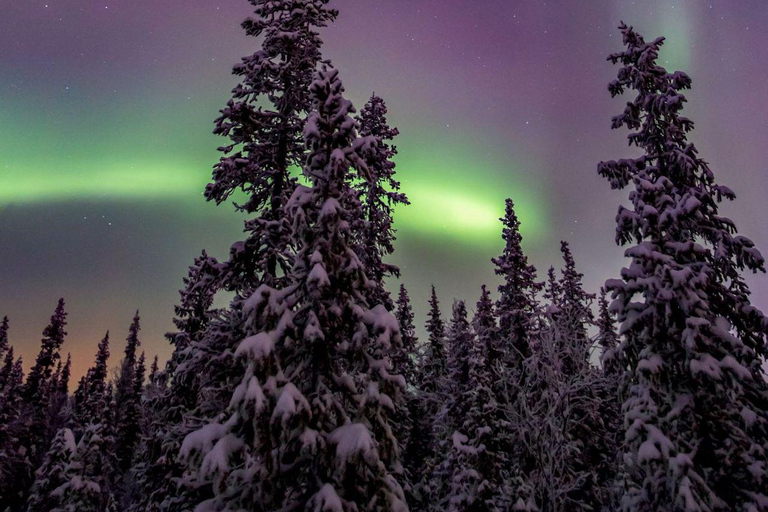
52 473
433 360
459 339
35 434
575 300
195 355
470 477
430 379
15 467
264 122
697 413
496 456
307 428
89 397
193 315
611 393
573 315
404 361
86 486
486 327
128 414
194 366
379 193
459 342
151 472
36 387
516 307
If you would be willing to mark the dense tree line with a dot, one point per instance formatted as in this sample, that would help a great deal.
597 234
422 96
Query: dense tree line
311 390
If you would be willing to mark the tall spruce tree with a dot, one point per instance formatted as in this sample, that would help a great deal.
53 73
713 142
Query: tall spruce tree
411 433
128 397
404 359
469 478
379 193
457 363
187 380
36 432
264 122
485 325
696 417
575 300
89 397
430 381
307 427
490 382
517 305
15 465
573 315
37 386
433 364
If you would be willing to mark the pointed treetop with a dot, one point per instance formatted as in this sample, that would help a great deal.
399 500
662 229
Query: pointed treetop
102 356
435 324
484 319
403 358
573 295
54 334
373 121
517 303
133 342
552 291
41 373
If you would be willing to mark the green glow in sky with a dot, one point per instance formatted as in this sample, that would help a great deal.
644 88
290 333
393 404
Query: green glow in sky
674 22
456 186
118 182
457 189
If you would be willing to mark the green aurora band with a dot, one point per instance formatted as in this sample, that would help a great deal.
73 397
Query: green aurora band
456 191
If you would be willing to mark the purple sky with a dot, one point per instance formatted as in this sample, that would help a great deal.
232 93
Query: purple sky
106 110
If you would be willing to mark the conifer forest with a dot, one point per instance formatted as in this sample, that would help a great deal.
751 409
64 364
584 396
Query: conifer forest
303 376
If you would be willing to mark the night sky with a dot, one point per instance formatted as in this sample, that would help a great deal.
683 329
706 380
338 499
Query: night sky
107 108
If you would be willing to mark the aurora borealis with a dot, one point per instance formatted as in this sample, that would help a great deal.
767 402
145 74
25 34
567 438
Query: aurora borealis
107 108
